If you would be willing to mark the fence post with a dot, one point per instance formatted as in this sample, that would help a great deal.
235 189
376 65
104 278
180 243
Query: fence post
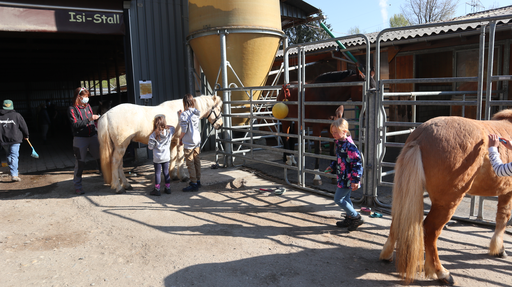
370 140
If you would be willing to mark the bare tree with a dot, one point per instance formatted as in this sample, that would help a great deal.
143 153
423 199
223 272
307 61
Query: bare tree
426 11
494 5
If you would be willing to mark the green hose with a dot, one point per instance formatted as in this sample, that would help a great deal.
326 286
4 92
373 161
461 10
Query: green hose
340 44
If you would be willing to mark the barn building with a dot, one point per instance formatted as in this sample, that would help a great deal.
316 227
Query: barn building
51 47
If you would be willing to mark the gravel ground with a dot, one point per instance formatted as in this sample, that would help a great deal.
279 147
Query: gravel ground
230 233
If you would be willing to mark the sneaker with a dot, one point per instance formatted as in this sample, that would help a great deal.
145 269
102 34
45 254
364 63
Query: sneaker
16 178
191 187
79 191
344 223
155 192
168 190
199 183
355 222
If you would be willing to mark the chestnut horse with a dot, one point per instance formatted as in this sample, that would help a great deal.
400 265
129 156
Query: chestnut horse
448 157
327 94
128 122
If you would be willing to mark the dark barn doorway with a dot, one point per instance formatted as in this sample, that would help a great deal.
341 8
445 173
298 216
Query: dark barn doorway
48 51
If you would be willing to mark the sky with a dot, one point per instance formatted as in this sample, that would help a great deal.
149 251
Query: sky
373 15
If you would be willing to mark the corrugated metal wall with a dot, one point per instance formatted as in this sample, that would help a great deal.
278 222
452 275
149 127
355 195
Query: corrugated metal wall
158 30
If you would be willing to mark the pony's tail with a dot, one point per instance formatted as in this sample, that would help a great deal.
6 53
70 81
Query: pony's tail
407 212
105 149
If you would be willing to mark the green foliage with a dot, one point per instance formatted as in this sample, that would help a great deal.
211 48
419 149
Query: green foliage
354 30
305 33
398 20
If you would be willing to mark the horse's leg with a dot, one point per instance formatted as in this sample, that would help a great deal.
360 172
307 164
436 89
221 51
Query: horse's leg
180 162
117 160
502 217
285 128
387 251
290 158
124 182
293 141
119 181
173 170
436 219
289 144
286 146
317 180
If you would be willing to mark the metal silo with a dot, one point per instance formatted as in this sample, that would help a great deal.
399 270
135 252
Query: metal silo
244 33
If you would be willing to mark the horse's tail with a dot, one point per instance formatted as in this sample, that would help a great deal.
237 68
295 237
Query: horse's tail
407 212
106 149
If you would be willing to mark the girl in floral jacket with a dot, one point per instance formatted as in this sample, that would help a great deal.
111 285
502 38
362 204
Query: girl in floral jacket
349 170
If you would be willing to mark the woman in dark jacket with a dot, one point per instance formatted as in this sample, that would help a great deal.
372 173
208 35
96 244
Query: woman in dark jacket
85 136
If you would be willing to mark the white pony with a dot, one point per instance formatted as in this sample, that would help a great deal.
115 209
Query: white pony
128 122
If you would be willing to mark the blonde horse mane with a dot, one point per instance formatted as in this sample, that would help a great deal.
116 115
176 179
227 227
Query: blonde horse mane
503 115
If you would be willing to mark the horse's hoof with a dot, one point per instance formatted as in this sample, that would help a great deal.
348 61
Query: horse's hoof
129 187
121 191
317 182
387 260
502 254
447 281
291 160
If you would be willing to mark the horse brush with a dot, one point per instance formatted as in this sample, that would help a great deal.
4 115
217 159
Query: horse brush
503 141
34 153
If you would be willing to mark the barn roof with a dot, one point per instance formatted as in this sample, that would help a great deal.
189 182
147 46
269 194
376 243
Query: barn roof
296 12
451 26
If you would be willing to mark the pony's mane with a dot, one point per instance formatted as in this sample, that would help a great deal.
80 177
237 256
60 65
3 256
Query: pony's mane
503 115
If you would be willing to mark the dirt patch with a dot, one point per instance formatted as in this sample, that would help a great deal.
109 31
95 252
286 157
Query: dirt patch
230 233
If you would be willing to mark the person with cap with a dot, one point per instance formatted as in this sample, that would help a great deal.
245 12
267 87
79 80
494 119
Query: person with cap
13 129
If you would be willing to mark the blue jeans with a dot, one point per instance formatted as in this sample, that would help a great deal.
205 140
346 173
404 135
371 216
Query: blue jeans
13 153
342 198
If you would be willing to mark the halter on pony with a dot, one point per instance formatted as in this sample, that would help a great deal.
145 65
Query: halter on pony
217 116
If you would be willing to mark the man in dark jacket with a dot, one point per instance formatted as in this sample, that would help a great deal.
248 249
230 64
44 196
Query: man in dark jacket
13 130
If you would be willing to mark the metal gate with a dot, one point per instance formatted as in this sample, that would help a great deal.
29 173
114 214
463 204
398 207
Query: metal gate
243 146
372 126
490 101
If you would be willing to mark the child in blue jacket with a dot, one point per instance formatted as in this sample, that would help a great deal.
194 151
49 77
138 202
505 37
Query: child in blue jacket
349 170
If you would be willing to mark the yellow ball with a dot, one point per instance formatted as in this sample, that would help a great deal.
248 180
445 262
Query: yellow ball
280 110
